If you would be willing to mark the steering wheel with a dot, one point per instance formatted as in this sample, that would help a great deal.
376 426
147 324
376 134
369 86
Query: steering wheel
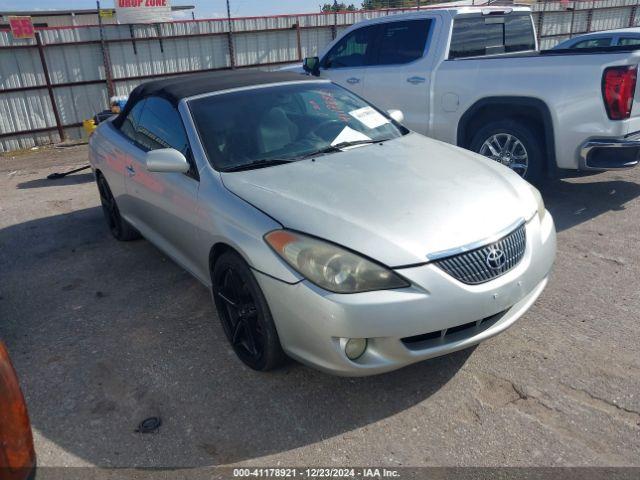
328 126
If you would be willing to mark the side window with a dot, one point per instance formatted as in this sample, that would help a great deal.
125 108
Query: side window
518 34
402 42
628 41
130 125
594 42
353 50
487 35
160 126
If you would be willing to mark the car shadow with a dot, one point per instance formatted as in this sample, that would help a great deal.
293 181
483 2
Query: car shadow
73 179
572 202
105 334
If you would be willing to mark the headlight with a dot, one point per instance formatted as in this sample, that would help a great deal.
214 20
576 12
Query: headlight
331 267
542 211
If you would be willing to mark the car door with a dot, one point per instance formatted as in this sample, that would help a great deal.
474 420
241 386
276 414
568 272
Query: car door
346 62
164 204
124 152
399 75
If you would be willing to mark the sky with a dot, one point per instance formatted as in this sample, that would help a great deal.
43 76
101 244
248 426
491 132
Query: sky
204 8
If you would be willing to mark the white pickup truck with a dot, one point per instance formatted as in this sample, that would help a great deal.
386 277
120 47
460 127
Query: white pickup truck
474 77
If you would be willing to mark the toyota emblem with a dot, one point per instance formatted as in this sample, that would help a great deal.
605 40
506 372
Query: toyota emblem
495 258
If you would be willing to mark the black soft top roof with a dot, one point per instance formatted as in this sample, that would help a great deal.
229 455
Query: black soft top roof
176 88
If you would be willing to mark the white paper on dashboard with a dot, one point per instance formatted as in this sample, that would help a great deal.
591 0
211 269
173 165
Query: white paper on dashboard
369 117
348 134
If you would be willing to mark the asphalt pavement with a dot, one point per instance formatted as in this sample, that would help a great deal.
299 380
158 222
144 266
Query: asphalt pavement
105 334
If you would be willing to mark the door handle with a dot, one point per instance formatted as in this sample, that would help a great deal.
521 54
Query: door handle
353 80
416 80
131 171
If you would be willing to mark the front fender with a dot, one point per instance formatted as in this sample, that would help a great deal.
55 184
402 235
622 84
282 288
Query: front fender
225 218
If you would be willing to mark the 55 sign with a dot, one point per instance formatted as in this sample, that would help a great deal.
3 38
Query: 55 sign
22 27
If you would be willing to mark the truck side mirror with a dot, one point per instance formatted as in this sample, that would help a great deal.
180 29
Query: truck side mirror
311 65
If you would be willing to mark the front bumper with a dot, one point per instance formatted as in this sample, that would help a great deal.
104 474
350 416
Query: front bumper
314 324
610 153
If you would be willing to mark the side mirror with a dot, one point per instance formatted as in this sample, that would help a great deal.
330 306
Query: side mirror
397 115
166 160
311 65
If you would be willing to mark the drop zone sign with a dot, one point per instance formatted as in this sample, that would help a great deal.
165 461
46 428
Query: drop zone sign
143 11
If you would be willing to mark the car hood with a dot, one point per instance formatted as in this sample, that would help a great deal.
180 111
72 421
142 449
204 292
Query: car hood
396 202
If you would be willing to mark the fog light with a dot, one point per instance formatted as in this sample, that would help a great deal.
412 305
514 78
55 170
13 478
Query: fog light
355 347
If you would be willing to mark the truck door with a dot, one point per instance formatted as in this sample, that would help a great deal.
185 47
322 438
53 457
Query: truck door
347 61
399 74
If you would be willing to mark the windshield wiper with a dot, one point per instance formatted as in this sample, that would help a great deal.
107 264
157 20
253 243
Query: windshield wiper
257 164
338 147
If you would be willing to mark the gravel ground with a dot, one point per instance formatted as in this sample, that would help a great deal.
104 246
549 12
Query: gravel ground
104 334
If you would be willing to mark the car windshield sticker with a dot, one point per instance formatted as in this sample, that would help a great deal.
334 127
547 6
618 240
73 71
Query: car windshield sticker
348 134
369 117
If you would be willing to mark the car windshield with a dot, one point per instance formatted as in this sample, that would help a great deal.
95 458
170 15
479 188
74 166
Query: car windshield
271 125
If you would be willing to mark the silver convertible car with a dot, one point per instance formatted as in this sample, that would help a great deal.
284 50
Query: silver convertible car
325 230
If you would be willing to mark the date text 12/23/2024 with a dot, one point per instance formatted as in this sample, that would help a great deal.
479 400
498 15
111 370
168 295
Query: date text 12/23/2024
313 473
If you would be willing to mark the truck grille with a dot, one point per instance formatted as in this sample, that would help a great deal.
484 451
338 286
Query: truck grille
486 263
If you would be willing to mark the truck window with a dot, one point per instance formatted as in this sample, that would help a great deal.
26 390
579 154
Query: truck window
401 42
354 50
487 35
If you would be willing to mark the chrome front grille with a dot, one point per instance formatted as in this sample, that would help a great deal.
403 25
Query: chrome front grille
488 262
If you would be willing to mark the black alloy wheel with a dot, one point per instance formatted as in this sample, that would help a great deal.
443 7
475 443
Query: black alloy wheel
245 315
118 226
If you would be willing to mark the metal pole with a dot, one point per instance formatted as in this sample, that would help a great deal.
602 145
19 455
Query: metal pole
632 14
298 39
573 17
232 56
105 56
540 21
335 19
590 16
47 79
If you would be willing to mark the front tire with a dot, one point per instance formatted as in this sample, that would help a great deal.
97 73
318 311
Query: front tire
514 144
118 226
244 314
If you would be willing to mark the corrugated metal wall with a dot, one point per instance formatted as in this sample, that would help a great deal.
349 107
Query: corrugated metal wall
79 79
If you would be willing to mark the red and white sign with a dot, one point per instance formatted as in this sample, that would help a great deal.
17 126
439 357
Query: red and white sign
143 11
22 27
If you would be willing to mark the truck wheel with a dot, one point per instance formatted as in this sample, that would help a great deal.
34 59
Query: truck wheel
513 144
118 226
244 314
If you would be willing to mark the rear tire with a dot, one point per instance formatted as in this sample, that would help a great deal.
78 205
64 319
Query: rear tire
513 143
118 226
245 315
